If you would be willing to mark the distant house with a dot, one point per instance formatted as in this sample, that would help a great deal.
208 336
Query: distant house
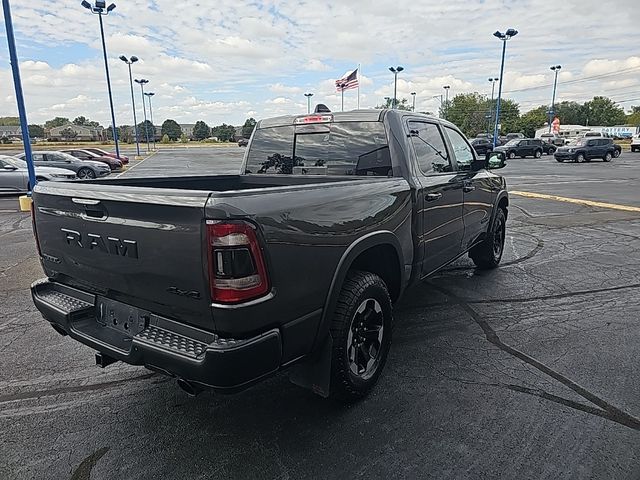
187 129
10 132
82 133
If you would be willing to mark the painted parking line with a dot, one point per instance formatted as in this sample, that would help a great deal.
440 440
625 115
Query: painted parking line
134 166
578 201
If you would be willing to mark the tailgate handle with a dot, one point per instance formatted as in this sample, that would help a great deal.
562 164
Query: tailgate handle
85 201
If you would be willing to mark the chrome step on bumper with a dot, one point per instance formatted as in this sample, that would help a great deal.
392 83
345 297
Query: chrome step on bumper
159 343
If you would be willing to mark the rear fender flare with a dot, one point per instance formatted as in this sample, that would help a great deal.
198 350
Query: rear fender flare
370 240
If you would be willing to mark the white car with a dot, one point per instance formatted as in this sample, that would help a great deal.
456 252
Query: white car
635 143
14 176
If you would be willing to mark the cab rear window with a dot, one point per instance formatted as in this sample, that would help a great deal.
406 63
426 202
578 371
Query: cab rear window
341 148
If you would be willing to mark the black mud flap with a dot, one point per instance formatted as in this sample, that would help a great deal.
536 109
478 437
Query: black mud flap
315 373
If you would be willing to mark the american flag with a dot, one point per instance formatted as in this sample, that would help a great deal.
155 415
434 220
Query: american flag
348 82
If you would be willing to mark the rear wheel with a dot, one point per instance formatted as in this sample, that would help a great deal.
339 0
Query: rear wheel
607 157
85 172
616 153
487 255
537 154
559 160
361 333
580 158
512 155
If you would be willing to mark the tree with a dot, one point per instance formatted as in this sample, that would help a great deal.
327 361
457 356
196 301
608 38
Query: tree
247 128
10 121
171 129
184 138
634 117
468 111
401 104
68 134
604 111
85 122
570 113
224 132
146 128
36 131
56 122
509 116
165 138
201 130
533 120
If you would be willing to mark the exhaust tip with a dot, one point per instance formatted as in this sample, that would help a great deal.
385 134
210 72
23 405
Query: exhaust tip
191 389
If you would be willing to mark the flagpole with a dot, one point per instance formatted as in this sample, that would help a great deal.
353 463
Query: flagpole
342 92
358 77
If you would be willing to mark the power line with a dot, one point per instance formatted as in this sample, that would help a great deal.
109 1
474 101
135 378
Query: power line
577 80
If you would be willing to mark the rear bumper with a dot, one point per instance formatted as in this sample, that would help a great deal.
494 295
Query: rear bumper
159 343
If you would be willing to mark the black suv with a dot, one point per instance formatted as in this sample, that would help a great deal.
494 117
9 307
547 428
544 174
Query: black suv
482 146
587 149
522 147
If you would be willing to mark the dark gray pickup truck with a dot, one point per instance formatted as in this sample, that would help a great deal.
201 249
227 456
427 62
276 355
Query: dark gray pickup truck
221 281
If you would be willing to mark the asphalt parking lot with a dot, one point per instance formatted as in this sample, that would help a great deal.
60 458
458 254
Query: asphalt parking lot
530 371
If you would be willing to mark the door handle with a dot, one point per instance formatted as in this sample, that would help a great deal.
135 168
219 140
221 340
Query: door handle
468 187
430 197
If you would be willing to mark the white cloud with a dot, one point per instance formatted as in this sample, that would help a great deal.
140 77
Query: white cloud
316 65
280 88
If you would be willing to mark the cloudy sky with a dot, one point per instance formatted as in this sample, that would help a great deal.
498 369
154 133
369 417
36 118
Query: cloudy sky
222 61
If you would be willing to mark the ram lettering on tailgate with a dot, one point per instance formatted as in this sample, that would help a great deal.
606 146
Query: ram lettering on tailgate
93 241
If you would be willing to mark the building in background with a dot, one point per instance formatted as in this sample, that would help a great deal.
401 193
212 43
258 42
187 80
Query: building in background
187 129
573 131
10 132
79 133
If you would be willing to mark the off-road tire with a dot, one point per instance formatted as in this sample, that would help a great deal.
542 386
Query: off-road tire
487 254
359 287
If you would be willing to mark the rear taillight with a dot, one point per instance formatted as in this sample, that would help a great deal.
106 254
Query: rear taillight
237 270
33 225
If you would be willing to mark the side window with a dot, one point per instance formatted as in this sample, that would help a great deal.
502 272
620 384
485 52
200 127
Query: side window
431 152
462 152
37 157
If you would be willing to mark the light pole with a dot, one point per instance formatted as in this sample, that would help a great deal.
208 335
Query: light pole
142 82
17 84
493 86
149 95
446 102
439 97
130 61
341 87
387 102
413 107
555 69
395 72
100 8
308 95
510 33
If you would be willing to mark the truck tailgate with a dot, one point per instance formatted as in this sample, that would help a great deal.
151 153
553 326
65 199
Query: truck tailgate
142 246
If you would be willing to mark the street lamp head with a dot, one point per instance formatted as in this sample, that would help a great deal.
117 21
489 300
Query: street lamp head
111 7
141 81
413 93
512 32
149 94
134 59
123 58
399 69
447 87
498 34
86 4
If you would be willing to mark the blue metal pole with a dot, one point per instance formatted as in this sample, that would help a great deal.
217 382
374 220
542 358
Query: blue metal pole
495 130
106 68
553 101
133 104
15 68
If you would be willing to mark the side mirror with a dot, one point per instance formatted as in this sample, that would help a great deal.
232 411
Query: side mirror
11 168
496 160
